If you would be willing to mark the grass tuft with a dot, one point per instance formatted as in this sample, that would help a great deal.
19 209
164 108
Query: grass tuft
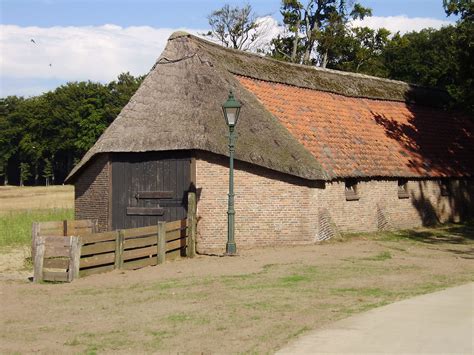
385 255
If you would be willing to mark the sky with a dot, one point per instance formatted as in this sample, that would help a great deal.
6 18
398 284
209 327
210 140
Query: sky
99 39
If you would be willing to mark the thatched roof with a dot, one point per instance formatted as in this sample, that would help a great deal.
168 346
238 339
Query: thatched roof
178 106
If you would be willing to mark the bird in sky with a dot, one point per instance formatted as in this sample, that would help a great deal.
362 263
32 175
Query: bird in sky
32 40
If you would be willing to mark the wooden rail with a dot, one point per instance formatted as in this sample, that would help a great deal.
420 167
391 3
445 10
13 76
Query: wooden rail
133 248
63 258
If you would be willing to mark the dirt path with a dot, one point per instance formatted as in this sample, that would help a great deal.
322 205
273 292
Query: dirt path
255 302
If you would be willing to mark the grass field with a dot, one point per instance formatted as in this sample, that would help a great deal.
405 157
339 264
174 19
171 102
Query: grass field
21 206
14 198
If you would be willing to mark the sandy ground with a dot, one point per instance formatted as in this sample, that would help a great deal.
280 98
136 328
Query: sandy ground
256 302
14 198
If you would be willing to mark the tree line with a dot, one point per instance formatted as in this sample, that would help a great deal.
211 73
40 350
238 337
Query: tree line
42 137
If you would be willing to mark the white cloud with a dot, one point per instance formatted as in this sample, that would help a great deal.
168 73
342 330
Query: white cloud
79 53
100 53
401 23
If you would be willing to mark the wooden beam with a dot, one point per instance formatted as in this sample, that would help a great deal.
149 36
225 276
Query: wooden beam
153 194
75 258
118 261
191 222
39 258
161 243
145 211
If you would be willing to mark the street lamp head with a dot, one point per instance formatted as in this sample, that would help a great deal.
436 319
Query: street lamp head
231 109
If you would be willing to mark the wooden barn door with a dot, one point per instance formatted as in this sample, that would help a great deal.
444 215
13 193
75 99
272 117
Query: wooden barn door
149 187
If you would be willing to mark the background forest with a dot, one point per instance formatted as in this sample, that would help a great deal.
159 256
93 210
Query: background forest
42 137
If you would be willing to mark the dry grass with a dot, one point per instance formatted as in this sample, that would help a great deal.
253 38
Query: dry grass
253 303
14 198
21 206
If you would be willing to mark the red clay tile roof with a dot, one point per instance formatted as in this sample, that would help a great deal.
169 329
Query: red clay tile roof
356 137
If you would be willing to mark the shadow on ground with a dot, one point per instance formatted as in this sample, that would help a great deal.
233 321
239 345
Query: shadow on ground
454 234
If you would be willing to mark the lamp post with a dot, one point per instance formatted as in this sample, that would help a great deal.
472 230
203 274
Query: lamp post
231 110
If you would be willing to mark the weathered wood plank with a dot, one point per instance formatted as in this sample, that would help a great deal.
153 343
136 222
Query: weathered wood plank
97 248
153 194
137 264
74 258
80 231
80 223
179 224
55 276
191 223
161 243
175 244
145 211
96 270
96 260
139 253
176 234
139 232
56 263
39 259
51 231
98 237
140 242
52 251
119 247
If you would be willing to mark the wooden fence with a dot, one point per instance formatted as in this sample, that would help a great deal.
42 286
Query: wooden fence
133 248
64 258
60 228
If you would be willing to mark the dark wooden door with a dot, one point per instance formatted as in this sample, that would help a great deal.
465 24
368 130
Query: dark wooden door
149 187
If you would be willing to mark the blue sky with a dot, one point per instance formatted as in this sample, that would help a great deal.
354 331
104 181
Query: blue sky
164 13
98 39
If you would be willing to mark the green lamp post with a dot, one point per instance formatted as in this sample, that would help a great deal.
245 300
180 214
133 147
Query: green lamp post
231 109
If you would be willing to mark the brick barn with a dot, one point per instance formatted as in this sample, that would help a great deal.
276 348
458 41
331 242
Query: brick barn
318 151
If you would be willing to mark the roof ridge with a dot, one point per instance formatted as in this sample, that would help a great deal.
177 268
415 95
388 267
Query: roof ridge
180 34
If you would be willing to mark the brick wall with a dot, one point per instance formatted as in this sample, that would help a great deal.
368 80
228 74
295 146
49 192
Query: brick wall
92 192
379 199
276 209
271 208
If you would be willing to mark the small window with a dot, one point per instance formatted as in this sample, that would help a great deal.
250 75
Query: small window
352 193
445 187
403 188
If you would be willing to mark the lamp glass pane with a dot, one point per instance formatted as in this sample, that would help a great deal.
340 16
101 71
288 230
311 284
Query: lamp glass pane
231 113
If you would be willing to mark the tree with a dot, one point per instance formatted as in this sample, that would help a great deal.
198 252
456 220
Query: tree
465 8
235 27
25 173
318 25
50 132
361 51
48 171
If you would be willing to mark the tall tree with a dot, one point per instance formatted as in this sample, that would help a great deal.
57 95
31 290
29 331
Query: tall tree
314 29
234 26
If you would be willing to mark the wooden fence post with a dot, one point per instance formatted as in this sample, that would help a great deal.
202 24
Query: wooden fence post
118 264
35 228
74 258
161 243
191 222
39 258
